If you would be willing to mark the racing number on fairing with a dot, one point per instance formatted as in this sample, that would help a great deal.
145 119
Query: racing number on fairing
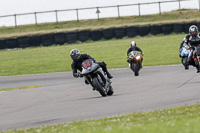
87 64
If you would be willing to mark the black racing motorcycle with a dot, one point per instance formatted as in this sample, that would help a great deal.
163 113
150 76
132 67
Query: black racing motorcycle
96 77
135 62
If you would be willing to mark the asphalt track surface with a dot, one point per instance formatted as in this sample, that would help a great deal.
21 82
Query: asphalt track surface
62 98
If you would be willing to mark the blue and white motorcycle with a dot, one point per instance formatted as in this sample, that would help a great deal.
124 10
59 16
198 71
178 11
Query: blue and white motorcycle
184 55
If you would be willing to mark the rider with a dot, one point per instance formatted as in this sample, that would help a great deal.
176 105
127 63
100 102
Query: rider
134 48
192 39
79 58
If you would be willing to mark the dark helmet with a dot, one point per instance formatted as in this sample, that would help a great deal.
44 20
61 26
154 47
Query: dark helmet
75 54
133 44
193 30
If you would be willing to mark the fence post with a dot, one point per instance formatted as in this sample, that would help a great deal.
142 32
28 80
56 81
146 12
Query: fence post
139 8
15 17
199 5
118 11
56 12
159 8
180 6
98 12
35 18
77 15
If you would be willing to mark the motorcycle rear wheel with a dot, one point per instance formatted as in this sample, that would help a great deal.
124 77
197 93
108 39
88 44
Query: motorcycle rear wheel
110 91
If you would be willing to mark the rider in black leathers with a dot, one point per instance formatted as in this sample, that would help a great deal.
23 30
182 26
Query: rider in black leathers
133 47
79 58
192 39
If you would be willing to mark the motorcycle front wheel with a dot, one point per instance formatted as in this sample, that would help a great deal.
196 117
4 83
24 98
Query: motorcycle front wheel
97 84
136 68
185 63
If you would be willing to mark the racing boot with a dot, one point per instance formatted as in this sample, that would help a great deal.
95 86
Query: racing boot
198 70
197 67
128 60
109 75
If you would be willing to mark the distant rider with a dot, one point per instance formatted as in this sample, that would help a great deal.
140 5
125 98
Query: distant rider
134 48
79 58
192 39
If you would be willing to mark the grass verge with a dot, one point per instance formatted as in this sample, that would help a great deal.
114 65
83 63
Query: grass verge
167 17
158 50
175 120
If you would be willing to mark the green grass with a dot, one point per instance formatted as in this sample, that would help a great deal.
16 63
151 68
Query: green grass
168 17
18 88
176 120
158 50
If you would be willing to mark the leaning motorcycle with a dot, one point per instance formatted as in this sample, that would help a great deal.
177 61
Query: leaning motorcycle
184 55
135 62
97 78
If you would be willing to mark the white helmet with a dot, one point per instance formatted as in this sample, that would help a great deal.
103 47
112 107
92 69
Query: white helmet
193 30
75 54
133 44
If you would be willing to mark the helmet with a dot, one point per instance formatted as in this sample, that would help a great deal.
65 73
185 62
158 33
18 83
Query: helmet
133 44
193 30
75 54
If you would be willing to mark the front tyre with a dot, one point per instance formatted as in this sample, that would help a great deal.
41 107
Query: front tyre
97 84
186 64
136 69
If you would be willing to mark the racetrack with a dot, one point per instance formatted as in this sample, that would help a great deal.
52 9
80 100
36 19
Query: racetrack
62 98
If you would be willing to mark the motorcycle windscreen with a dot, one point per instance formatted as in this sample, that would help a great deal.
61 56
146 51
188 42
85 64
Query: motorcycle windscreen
89 66
185 52
134 53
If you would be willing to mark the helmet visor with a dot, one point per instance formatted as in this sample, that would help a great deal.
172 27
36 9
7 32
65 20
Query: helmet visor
193 33
75 56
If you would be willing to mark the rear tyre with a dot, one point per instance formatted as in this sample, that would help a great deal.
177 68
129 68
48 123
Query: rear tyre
110 92
97 84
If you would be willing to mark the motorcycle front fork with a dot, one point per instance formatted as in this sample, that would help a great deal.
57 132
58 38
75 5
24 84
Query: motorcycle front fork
140 65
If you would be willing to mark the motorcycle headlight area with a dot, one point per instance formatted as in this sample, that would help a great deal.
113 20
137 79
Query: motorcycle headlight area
137 57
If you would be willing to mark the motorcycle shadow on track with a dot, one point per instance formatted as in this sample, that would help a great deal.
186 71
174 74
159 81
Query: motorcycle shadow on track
96 97
87 98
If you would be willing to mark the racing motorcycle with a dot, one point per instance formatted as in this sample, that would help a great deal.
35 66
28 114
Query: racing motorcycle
96 77
135 62
184 55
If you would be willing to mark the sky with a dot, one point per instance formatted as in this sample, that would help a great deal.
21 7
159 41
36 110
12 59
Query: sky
10 7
